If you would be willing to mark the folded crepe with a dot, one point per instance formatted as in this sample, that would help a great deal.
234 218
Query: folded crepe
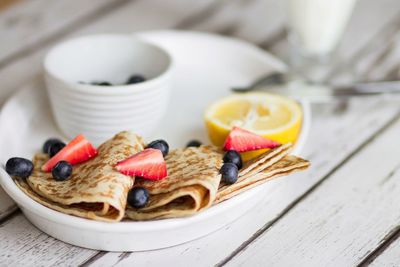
95 189
191 185
271 164
289 164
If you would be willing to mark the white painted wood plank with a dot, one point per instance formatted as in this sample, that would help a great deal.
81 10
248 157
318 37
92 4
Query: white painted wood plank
261 21
344 219
387 61
332 138
24 245
7 205
390 257
253 21
382 63
365 34
27 23
370 19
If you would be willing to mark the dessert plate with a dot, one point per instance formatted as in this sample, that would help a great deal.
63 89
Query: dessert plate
206 67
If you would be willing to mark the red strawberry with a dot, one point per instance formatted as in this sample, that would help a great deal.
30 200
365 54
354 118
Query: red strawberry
149 164
78 150
242 141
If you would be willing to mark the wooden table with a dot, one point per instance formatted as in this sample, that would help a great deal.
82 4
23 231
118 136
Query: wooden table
344 211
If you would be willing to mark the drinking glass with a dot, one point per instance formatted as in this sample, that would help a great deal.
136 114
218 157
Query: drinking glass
315 29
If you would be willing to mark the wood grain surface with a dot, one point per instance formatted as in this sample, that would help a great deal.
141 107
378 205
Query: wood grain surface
342 212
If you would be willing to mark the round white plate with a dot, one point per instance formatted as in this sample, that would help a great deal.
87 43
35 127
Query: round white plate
206 67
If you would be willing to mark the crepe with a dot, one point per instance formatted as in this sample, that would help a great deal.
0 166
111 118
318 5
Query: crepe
280 164
264 160
95 189
288 165
191 185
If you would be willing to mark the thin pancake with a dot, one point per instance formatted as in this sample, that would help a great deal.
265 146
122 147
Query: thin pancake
191 185
259 163
268 158
285 166
95 189
87 211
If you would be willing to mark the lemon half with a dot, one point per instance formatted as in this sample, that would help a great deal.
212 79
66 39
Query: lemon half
272 116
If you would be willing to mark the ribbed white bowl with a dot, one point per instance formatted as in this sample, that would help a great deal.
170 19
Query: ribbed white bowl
100 111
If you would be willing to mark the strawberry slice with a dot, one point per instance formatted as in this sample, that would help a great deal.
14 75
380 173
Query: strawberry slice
78 150
242 140
149 164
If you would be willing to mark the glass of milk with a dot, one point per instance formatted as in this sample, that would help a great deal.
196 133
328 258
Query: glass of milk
316 27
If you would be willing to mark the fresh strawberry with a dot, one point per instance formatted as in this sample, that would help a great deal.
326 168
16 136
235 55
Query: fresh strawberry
149 164
242 140
78 150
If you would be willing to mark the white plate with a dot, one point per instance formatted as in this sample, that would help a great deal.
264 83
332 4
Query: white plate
206 67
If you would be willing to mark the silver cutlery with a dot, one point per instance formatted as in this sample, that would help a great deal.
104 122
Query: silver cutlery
289 84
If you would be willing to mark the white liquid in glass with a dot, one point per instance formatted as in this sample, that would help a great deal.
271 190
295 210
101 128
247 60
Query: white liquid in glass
317 25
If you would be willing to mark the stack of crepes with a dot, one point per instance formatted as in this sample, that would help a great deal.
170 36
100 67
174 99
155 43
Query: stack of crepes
97 191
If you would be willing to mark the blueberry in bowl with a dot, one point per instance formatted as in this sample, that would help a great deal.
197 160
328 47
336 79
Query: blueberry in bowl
136 78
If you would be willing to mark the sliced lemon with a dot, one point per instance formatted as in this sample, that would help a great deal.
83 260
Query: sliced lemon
272 116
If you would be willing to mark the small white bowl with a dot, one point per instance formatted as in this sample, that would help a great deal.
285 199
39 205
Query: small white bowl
100 111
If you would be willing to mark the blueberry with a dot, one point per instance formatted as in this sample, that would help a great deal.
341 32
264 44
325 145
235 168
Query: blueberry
50 142
62 171
194 143
55 148
101 83
135 79
19 167
229 172
138 197
161 145
234 157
